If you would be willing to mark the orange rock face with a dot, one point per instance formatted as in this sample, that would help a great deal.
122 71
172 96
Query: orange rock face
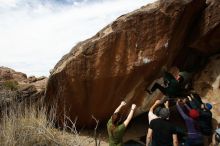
120 60
206 37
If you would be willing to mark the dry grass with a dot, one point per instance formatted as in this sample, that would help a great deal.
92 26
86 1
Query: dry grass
28 125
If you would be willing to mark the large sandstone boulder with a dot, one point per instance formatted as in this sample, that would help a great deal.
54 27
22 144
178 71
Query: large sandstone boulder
207 84
120 60
208 80
206 35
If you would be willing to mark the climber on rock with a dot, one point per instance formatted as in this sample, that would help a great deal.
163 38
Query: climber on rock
174 85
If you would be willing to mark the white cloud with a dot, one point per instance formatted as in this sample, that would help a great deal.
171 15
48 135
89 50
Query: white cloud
35 34
7 3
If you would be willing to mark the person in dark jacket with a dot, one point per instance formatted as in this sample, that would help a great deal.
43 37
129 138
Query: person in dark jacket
174 85
205 122
185 78
194 137
195 100
205 118
161 132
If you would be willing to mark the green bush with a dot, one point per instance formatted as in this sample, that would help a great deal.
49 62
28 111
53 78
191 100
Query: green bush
11 85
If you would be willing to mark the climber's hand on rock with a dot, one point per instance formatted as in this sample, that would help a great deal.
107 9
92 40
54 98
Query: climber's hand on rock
133 106
123 103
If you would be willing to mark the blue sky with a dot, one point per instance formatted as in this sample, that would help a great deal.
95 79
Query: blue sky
35 34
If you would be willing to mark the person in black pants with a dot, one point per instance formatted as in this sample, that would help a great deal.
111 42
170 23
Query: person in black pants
174 86
161 132
205 118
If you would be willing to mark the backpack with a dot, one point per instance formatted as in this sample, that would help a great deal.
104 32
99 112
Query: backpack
186 78
167 78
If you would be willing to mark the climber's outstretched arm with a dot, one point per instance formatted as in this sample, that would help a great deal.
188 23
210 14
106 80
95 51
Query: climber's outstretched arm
130 115
120 106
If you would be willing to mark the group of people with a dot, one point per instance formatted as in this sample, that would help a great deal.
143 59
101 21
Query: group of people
197 117
196 114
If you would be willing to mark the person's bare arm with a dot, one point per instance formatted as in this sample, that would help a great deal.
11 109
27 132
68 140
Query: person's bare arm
175 140
157 102
130 115
190 98
166 104
149 136
180 110
120 106
194 103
